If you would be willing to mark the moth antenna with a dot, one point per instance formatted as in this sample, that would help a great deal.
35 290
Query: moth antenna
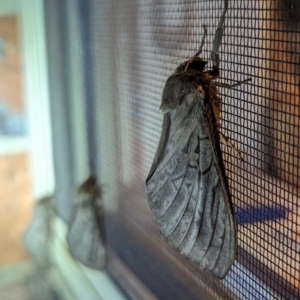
202 41
218 35
200 48
175 59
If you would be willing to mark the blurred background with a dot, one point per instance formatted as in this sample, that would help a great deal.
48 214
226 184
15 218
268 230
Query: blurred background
27 167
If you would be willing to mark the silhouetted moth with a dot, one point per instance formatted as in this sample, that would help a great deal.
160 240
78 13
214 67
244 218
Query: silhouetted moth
85 238
187 187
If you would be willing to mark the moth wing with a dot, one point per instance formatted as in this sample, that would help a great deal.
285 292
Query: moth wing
84 235
161 145
188 194
37 235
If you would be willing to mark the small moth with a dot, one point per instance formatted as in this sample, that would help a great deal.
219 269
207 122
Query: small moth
37 237
85 238
187 187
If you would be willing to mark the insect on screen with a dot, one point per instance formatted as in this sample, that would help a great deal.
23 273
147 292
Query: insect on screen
129 50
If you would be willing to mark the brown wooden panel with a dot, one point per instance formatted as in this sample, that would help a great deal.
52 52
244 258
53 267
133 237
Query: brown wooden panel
10 65
15 206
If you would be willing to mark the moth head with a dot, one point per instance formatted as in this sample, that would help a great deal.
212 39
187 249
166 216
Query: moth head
194 64
90 187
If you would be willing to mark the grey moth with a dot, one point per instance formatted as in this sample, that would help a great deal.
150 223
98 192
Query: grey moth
37 236
85 237
187 187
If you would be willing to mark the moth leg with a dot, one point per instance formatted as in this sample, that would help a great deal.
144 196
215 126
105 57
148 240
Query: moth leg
201 90
225 140
215 72
229 86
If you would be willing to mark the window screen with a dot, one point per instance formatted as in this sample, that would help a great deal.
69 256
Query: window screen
125 52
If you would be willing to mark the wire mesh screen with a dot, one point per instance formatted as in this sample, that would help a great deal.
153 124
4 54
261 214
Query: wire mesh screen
129 49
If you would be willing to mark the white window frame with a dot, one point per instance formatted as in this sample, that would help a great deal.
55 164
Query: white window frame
38 141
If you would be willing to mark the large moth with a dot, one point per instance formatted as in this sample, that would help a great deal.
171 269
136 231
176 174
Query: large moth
187 187
85 234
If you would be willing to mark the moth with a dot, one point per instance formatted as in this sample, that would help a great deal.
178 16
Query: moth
85 234
187 188
38 234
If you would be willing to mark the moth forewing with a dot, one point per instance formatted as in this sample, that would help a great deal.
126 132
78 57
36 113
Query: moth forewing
187 188
85 234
